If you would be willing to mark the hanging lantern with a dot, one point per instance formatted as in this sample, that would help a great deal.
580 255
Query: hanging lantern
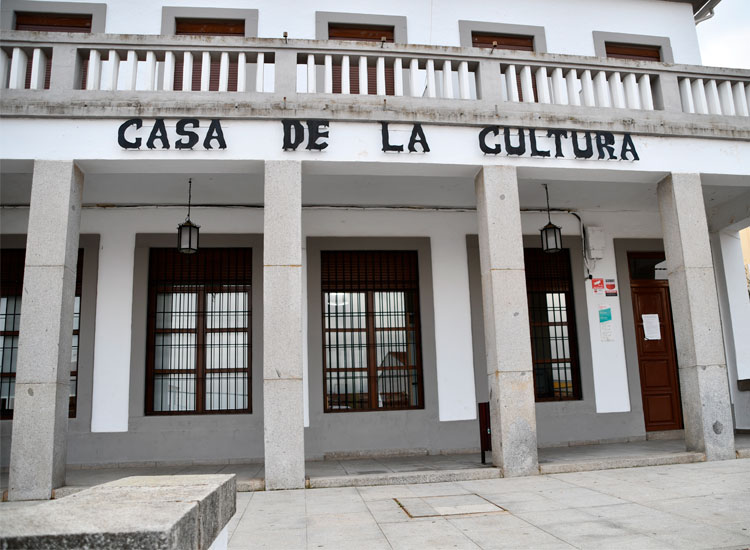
188 232
551 233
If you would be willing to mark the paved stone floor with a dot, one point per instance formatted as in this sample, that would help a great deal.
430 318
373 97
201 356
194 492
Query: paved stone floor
697 505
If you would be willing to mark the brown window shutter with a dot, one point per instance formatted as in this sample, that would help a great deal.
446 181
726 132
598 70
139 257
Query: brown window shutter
210 27
633 51
50 22
369 270
53 22
507 42
360 33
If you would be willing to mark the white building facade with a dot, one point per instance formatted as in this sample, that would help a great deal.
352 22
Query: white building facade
369 181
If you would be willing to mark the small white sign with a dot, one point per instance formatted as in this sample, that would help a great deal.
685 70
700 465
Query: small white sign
651 329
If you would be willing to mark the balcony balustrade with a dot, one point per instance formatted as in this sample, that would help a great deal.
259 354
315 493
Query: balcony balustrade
47 63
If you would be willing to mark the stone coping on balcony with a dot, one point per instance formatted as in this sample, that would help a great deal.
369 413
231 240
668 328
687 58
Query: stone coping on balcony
143 512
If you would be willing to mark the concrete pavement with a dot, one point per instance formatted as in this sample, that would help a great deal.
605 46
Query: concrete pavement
698 505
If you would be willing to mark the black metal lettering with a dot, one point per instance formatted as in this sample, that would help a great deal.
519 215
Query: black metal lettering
628 147
579 153
417 136
291 143
316 129
124 143
192 137
159 131
385 139
532 142
605 142
558 134
215 133
519 149
486 149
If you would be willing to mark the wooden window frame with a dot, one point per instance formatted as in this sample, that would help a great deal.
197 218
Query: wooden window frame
369 285
639 52
195 279
534 261
12 285
362 33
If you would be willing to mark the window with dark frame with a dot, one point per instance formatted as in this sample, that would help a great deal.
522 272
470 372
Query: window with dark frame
208 27
554 345
633 51
515 42
50 22
199 331
362 33
372 356
12 261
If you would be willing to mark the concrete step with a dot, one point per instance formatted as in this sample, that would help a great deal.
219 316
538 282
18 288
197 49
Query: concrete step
608 463
399 478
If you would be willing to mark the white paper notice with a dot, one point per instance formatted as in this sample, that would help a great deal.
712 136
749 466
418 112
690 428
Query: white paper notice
651 330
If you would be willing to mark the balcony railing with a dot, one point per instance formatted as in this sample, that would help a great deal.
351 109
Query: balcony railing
123 64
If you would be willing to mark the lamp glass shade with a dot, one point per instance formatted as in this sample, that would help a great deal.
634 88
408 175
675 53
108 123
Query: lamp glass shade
551 238
187 237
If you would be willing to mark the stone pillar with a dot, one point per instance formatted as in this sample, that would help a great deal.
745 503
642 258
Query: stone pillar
506 322
706 407
40 418
283 417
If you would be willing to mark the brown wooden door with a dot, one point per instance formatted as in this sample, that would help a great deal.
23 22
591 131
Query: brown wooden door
657 361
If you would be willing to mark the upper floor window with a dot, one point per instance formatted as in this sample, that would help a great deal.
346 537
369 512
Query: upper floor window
502 41
53 22
633 51
208 27
554 345
363 33
372 355
199 320
11 292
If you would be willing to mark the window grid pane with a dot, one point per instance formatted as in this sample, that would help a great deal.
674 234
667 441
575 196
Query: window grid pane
371 335
199 331
552 325
11 288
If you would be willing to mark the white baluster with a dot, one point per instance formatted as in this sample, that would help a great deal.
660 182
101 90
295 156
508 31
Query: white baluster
312 84
18 69
601 90
558 87
169 66
38 69
151 70
464 90
206 72
110 82
527 88
511 83
414 88
242 72
4 69
380 76
725 98
398 77
617 91
712 97
741 107
542 85
572 87
131 79
363 75
747 96
224 72
644 87
328 74
699 96
686 95
447 79
187 72
345 85
431 88
632 97
587 89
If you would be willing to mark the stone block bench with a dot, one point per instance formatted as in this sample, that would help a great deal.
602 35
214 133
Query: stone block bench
145 512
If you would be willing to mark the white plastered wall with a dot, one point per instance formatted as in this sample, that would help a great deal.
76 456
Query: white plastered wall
568 25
